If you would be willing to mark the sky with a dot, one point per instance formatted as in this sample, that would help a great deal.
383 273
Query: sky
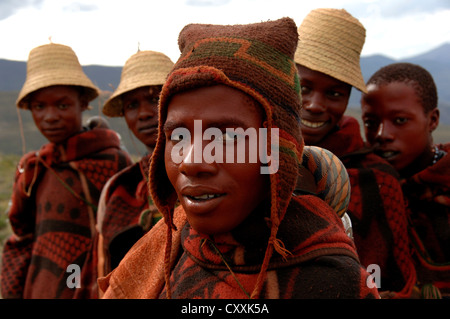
108 32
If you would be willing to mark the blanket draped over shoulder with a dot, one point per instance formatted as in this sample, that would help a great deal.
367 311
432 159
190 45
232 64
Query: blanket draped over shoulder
126 212
428 205
53 214
227 266
376 209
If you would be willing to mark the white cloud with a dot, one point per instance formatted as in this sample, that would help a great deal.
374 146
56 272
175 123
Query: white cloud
10 7
108 31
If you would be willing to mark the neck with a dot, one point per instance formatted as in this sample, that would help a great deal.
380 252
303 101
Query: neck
150 149
427 158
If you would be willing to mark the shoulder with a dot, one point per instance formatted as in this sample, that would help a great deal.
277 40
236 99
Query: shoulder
146 256
336 276
445 147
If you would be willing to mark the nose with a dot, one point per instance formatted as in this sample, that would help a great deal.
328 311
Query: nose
314 103
147 110
384 132
51 114
194 163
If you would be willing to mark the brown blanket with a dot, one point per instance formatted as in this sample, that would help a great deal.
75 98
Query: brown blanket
321 252
53 214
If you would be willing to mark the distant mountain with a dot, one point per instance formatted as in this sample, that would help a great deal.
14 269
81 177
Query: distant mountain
106 78
436 61
441 54
13 74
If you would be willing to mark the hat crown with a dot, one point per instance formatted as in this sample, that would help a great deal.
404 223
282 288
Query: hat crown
52 58
144 68
331 41
54 64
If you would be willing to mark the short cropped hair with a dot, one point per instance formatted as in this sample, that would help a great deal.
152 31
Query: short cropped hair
419 78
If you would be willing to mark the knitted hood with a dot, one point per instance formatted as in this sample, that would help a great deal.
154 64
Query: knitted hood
258 60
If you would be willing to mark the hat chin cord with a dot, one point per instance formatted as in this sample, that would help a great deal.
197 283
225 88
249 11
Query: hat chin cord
22 134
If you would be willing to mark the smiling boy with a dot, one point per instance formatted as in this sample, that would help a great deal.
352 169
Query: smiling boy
400 114
56 189
237 233
328 62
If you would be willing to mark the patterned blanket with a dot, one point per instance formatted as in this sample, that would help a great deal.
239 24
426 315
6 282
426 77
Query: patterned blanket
228 266
376 209
53 214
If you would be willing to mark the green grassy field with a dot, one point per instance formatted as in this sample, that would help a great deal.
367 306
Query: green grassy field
8 165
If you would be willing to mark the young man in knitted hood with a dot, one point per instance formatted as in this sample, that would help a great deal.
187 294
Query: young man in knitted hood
328 61
56 189
239 231
400 114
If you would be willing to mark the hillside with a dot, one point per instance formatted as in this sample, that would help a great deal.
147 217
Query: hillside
13 73
10 133
436 61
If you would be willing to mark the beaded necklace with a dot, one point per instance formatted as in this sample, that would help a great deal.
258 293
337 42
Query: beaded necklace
438 154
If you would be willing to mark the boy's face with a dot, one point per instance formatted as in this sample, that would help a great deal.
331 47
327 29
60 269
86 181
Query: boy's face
140 108
57 112
217 197
395 123
324 102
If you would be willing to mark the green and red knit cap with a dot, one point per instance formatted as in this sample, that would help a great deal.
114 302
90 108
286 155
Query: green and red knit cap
257 59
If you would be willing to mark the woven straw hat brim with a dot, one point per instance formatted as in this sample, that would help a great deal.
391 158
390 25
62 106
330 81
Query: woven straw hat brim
330 41
54 64
145 68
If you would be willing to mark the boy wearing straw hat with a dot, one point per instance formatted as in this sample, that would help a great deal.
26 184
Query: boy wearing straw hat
239 231
400 112
328 62
126 210
56 189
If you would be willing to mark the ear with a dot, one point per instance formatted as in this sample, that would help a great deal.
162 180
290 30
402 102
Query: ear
433 117
84 103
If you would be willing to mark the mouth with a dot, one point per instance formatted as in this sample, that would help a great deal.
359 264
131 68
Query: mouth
151 129
199 200
387 155
314 124
204 197
51 131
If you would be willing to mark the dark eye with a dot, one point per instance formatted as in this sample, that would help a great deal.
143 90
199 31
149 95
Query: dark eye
131 105
176 137
401 120
153 100
63 106
370 124
179 134
228 137
305 89
335 94
37 106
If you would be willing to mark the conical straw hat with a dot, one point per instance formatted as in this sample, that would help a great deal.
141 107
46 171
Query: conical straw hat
330 41
54 64
144 68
